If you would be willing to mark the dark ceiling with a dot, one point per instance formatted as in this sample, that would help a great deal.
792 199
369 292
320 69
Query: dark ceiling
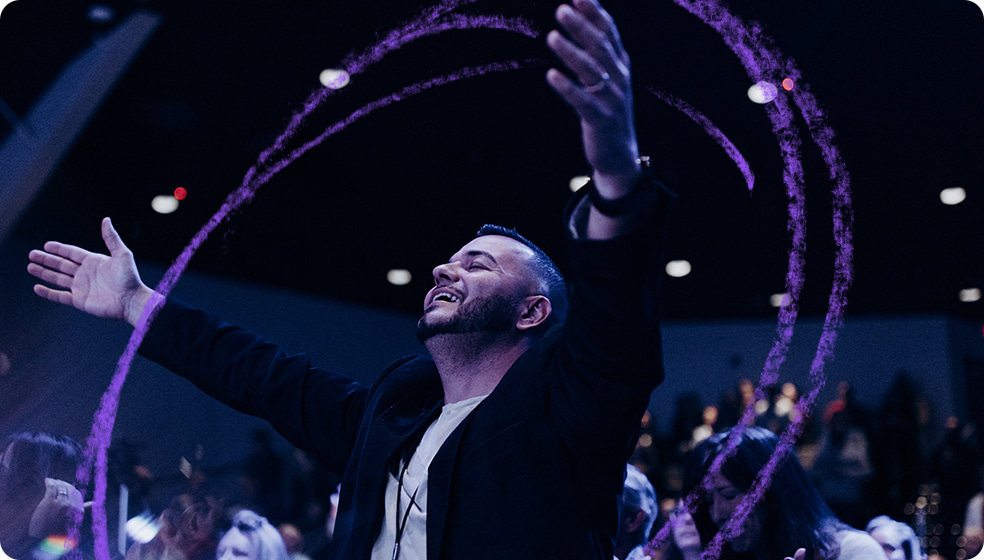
902 85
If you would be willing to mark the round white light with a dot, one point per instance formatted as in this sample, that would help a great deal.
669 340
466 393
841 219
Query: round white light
334 78
970 295
678 268
399 277
778 300
164 204
99 13
763 92
954 195
578 181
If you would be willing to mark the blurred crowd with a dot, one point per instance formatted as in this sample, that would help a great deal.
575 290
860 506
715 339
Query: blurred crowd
884 473
864 462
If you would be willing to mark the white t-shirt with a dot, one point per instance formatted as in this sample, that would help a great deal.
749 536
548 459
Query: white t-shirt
3 555
413 492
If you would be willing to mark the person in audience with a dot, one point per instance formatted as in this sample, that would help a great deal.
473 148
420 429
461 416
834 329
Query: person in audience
790 520
251 537
293 540
36 501
639 512
897 539
187 532
973 525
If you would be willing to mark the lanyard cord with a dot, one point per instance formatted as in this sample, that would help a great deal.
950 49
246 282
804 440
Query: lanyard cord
402 526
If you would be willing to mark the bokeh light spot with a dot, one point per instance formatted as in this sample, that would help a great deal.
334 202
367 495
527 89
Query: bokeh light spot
164 204
970 295
334 78
762 93
953 195
678 268
399 277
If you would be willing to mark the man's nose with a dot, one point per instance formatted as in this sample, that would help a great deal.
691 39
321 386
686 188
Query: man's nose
446 271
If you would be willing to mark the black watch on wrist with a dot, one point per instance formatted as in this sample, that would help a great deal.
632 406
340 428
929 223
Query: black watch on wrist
642 193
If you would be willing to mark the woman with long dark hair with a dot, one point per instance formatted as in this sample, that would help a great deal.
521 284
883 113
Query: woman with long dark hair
791 519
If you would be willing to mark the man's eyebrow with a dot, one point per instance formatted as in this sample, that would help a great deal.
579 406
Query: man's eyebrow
477 253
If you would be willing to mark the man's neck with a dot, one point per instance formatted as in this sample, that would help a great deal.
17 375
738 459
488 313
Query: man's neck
471 365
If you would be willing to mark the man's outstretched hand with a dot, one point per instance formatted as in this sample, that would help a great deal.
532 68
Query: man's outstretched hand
104 286
601 95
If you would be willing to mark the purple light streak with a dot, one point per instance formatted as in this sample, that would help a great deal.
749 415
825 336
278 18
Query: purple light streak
760 62
97 444
421 26
765 63
713 131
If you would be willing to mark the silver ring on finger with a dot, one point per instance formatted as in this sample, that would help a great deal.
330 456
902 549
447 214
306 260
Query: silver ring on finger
599 85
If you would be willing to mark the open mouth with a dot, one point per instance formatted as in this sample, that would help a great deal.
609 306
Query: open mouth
444 296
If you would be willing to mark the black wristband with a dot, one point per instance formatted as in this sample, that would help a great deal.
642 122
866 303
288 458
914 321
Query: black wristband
643 193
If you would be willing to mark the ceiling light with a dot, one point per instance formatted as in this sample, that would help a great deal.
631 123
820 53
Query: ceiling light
779 300
762 92
970 295
164 204
678 268
399 277
953 195
334 78
99 13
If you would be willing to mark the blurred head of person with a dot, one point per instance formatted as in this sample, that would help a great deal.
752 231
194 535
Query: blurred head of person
639 508
37 495
897 539
251 537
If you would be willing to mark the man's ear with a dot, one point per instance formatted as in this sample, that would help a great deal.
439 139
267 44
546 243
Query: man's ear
535 311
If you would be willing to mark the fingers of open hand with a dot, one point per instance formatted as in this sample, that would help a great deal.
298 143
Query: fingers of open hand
112 239
57 257
62 493
57 296
602 21
592 51
586 104
800 555
52 268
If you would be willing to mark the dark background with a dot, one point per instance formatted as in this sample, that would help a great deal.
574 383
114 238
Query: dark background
901 84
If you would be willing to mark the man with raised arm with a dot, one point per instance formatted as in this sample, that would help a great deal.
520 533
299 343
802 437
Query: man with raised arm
510 440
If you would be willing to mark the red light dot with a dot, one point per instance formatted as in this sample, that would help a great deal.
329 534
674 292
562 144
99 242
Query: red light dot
787 84
180 193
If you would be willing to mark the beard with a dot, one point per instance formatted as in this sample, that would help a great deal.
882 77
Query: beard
495 314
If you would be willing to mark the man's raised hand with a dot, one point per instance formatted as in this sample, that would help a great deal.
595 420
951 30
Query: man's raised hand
602 94
105 286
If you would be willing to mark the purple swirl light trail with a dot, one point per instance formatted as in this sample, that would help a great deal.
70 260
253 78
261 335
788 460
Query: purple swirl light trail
713 131
97 445
764 63
421 26
106 414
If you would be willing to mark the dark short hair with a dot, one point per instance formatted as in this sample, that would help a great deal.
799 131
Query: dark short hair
543 270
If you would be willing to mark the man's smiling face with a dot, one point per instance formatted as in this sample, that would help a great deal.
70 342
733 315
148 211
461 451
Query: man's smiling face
480 289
